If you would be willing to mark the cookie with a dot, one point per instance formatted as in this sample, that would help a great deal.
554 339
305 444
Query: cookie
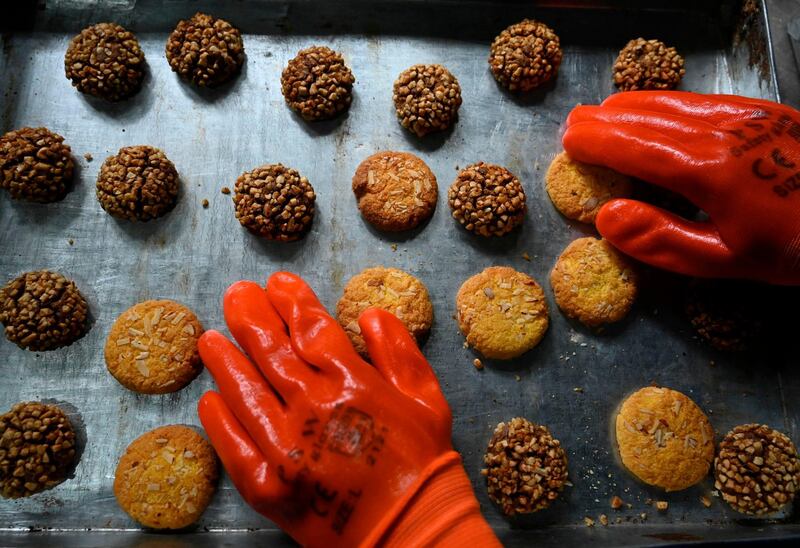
167 477
526 467
395 190
274 202
727 314
664 438
35 165
757 470
426 99
152 347
487 199
502 313
139 183
579 190
317 84
593 283
106 61
43 310
525 56
389 289
37 449
205 50
647 64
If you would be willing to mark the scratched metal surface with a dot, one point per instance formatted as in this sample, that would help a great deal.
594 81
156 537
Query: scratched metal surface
193 254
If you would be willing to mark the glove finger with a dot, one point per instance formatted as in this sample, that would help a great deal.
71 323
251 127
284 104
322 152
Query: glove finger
315 335
683 129
664 240
239 454
714 109
395 354
246 392
261 333
642 153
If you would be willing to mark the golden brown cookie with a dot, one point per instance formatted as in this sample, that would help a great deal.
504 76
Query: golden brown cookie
395 190
501 312
579 190
166 477
389 289
664 438
152 347
593 283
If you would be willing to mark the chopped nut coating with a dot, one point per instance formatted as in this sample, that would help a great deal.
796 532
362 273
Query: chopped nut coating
35 165
525 55
487 199
426 98
317 84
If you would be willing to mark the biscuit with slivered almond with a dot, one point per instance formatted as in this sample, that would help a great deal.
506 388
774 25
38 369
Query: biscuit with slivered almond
152 347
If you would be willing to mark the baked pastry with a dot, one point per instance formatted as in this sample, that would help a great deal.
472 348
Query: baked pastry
317 84
167 477
593 283
757 470
525 56
727 314
579 190
487 199
139 183
395 190
37 449
389 289
105 60
526 467
205 50
43 310
274 202
648 64
35 165
502 313
426 99
152 347
664 438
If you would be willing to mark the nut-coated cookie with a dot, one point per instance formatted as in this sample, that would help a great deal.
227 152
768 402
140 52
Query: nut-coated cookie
205 50
647 64
167 477
152 347
395 190
426 99
35 165
664 438
593 283
389 289
317 84
502 313
525 56
579 190
487 199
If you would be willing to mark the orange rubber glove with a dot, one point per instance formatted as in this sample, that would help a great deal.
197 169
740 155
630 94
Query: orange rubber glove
334 450
736 158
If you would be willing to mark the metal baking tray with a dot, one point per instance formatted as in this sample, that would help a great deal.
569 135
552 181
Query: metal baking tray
193 254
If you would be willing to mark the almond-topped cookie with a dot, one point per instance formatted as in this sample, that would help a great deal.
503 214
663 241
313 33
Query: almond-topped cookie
152 347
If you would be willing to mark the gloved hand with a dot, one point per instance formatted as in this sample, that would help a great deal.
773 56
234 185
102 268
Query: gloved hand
334 450
736 158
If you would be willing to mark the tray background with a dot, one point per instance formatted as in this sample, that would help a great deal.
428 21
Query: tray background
193 254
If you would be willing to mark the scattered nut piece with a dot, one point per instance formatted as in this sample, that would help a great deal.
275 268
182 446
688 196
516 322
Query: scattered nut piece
225 190
603 520
204 203
477 363
616 502
705 501
589 522
662 505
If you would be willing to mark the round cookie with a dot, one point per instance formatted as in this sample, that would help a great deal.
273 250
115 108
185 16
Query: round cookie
395 190
526 468
35 165
205 50
167 477
757 470
426 99
647 64
525 56
152 347
487 199
105 60
317 84
579 190
138 184
664 438
502 313
43 310
274 202
37 449
389 289
593 283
